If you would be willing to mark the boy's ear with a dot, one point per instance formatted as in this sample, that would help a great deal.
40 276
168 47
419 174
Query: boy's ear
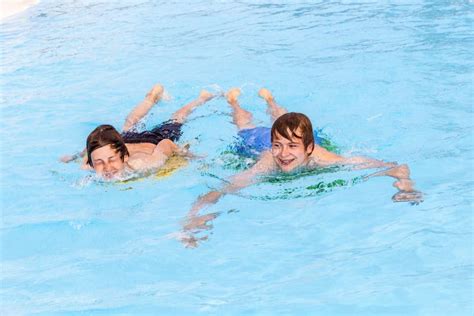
125 158
310 149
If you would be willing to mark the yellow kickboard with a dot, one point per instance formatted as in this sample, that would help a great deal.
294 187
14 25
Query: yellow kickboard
171 166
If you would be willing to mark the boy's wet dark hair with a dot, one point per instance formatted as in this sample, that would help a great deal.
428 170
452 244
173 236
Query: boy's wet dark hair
287 125
102 136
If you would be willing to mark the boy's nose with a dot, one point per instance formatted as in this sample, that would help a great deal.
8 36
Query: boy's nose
284 151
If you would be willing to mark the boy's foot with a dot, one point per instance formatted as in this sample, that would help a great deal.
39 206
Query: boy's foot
155 94
232 95
205 95
265 94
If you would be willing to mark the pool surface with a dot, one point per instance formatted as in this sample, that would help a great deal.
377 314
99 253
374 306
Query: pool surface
387 79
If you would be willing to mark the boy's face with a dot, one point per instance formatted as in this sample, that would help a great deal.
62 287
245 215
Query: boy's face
289 154
107 163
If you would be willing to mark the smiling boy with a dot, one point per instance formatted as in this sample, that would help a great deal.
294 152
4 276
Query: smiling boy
290 145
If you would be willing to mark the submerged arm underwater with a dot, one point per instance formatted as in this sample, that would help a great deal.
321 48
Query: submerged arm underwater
193 221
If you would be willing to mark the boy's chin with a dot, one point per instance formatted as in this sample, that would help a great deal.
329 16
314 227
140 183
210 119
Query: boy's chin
111 176
288 168
293 167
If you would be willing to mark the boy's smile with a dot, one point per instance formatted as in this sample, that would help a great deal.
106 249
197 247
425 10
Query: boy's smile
289 154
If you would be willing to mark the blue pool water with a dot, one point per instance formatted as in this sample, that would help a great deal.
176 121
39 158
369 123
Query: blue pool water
387 79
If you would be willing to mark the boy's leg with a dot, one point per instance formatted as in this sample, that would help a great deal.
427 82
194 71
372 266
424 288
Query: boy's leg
274 109
151 98
181 115
242 118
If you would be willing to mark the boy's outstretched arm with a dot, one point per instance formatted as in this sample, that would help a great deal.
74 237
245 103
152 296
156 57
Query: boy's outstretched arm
82 155
323 157
237 182
406 191
69 158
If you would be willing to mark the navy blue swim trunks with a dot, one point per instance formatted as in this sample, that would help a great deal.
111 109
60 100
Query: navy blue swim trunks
254 141
166 130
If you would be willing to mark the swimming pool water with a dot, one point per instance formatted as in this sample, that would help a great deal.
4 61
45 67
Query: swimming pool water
390 80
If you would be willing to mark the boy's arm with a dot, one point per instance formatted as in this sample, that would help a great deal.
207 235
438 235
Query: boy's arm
81 154
237 182
323 157
405 186
69 158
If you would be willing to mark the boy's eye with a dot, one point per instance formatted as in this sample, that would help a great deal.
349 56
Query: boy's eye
293 146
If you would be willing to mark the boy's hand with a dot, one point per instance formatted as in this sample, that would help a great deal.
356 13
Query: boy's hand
414 197
66 158
184 151
190 241
193 225
407 192
199 222
69 158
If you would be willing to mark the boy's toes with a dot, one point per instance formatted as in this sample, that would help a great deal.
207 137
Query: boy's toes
233 94
206 95
265 94
155 93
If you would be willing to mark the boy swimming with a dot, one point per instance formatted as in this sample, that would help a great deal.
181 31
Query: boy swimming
112 155
289 146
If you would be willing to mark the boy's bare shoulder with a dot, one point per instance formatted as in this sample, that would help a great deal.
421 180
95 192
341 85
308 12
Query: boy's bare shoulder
265 163
266 156
322 156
